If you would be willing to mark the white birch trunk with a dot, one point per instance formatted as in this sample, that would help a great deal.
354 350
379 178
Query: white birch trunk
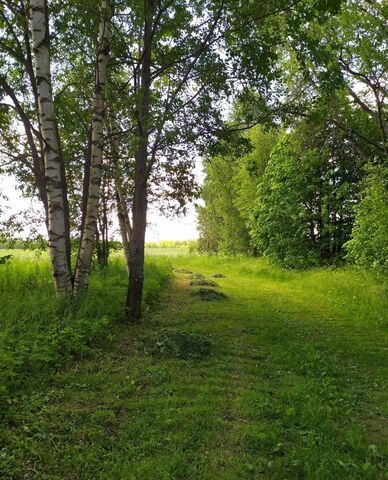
55 183
89 232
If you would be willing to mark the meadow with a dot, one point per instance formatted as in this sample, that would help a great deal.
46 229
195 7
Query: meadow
239 369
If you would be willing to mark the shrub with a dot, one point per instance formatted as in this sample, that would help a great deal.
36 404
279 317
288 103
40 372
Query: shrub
368 246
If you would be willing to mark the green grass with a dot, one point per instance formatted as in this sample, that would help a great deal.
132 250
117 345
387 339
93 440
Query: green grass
284 379
167 251
40 331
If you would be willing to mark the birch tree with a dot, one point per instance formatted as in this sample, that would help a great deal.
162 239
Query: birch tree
32 100
58 227
88 233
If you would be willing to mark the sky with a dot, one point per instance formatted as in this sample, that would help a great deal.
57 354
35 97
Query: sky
174 228
160 227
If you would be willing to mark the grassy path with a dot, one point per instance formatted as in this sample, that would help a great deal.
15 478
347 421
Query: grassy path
294 387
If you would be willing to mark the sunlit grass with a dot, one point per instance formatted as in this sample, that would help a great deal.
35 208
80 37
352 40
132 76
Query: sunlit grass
348 292
286 378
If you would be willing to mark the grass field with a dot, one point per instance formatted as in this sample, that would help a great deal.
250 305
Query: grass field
285 378
167 251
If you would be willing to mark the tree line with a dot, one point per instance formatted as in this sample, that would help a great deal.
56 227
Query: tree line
309 185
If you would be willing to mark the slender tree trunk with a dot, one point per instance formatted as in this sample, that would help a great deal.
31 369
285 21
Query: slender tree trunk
136 269
136 273
85 188
125 227
90 224
54 179
121 206
381 119
102 244
37 159
102 232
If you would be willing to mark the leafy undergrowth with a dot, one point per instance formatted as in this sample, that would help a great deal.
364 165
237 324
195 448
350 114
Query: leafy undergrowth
40 331
282 381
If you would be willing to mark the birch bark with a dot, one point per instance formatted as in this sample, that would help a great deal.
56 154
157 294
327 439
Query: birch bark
90 225
53 161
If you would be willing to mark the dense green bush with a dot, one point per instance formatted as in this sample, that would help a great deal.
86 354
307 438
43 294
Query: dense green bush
291 198
303 213
279 225
368 246
229 190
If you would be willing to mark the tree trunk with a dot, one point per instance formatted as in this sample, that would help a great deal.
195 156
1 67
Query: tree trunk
102 232
90 225
102 243
54 168
85 188
136 274
136 268
125 227
121 206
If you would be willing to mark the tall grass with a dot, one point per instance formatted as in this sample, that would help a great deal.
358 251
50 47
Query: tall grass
40 330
